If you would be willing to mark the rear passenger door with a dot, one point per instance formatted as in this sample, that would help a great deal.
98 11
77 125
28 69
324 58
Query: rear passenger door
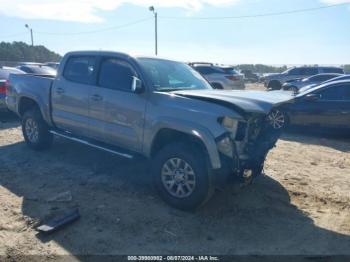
124 110
71 92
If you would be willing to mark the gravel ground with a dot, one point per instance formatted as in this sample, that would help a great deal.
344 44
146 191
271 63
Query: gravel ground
301 205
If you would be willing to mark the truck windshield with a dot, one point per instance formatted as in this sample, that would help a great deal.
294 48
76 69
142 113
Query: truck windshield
171 76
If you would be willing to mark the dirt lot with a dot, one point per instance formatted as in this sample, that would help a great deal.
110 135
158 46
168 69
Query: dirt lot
301 205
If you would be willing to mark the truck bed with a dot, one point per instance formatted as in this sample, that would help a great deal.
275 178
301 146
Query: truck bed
35 87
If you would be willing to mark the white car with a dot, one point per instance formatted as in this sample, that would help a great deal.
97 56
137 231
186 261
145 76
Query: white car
220 77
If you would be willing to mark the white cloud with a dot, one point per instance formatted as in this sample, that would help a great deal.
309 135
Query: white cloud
87 10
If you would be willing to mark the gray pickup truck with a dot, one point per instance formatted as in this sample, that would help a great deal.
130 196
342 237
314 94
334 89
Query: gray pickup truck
195 137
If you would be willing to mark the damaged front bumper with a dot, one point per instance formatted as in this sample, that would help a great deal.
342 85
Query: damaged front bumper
242 156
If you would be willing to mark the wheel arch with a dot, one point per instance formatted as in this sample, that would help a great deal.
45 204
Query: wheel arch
25 104
167 134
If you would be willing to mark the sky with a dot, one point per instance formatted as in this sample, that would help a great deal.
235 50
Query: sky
314 37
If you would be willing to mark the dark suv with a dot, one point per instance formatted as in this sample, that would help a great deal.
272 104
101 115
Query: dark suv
275 81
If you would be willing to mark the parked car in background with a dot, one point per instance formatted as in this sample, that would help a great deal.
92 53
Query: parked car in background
326 105
220 77
342 77
38 70
4 76
295 85
30 63
249 76
53 65
162 110
5 72
275 81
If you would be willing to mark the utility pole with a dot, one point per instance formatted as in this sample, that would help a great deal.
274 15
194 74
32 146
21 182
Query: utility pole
151 8
31 33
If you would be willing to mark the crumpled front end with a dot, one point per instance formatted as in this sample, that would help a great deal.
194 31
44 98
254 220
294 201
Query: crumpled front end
243 153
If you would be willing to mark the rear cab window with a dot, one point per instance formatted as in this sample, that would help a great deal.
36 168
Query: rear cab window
80 69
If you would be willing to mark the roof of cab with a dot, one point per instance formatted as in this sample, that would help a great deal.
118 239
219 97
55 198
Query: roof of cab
112 53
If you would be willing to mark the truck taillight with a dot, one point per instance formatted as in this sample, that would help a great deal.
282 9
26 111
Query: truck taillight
232 78
3 87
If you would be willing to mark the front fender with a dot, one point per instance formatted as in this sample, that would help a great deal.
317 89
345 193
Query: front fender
186 127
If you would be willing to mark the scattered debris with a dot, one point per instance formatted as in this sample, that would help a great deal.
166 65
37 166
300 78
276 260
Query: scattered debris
62 197
59 221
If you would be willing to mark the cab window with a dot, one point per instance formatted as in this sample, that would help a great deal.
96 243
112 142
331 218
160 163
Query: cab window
80 69
116 74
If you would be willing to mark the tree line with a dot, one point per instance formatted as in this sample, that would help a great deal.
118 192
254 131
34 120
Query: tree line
21 52
259 68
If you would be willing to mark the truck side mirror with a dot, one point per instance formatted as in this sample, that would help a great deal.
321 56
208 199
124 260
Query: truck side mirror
136 85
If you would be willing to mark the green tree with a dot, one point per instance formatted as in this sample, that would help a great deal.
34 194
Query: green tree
21 52
260 68
347 69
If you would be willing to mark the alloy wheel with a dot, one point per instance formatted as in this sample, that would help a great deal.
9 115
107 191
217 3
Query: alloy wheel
178 177
32 130
277 119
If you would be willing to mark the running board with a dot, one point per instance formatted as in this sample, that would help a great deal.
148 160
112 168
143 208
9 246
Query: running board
95 145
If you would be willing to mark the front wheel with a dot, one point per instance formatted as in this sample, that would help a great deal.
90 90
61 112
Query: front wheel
35 130
181 177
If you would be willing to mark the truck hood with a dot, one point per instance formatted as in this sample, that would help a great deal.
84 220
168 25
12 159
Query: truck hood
243 101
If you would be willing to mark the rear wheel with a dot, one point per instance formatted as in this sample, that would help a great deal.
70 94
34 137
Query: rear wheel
35 130
274 85
180 176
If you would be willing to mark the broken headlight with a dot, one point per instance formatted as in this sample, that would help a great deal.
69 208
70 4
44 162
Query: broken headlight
236 128
230 124
225 145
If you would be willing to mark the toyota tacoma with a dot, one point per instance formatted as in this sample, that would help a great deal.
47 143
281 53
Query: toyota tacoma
195 137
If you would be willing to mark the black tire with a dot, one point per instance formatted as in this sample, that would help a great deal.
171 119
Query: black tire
192 155
217 86
274 85
44 137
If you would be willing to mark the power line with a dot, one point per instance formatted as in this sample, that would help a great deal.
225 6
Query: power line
185 18
98 30
255 15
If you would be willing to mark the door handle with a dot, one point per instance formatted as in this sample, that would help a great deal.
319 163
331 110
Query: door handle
96 97
60 90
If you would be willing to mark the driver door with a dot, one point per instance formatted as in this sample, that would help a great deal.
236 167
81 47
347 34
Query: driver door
123 113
